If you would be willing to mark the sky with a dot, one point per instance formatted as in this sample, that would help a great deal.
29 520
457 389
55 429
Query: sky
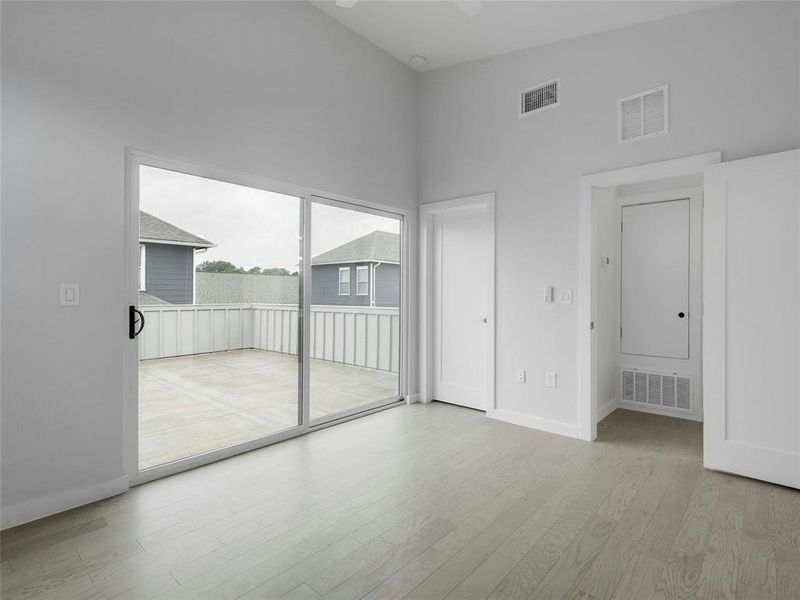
250 227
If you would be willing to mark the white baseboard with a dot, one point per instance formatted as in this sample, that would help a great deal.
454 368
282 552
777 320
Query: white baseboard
45 506
655 410
606 409
539 423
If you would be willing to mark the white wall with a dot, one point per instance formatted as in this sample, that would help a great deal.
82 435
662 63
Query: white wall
733 77
273 89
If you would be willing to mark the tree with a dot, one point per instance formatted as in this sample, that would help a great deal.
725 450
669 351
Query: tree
218 266
224 266
274 271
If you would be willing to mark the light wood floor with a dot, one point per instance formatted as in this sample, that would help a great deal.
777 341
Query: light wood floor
429 502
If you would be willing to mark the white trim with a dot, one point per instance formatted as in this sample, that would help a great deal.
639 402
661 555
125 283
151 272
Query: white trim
426 289
587 247
534 422
557 81
51 504
204 458
304 306
606 409
344 270
355 262
142 267
657 410
324 420
362 269
175 243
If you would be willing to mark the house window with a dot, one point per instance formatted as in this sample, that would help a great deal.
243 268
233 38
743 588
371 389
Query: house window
142 267
362 281
344 281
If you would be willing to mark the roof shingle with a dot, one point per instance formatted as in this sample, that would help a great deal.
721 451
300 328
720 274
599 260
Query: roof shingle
155 229
378 246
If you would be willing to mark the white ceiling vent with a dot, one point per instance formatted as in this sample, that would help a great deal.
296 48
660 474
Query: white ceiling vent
666 390
644 115
540 97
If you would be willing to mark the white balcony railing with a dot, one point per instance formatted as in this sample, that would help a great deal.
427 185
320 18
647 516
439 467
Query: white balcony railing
361 336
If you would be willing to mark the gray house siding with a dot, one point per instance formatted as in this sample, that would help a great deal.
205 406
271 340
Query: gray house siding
387 286
168 273
325 286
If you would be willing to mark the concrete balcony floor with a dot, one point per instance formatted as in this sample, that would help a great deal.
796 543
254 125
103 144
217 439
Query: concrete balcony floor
194 404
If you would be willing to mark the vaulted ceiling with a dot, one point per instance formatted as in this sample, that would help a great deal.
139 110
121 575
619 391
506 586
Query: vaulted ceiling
448 32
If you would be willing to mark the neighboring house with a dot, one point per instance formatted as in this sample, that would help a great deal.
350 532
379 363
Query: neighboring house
166 261
363 272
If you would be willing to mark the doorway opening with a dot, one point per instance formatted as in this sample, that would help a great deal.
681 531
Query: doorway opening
648 318
641 291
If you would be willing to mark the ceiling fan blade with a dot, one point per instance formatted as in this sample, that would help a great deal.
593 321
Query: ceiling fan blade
346 3
470 7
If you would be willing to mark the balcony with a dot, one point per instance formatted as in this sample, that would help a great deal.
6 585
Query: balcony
211 376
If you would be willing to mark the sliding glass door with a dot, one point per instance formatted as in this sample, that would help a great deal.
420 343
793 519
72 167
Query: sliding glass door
256 315
219 293
355 310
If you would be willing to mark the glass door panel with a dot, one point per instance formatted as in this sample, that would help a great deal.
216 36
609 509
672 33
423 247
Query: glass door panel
354 310
219 289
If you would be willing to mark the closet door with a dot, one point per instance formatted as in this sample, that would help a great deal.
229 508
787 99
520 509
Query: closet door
655 279
751 322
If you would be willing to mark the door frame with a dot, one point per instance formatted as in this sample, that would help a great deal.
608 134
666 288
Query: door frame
427 213
588 415
135 158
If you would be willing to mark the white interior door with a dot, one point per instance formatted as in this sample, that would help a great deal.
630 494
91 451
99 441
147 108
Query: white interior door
461 291
655 279
751 326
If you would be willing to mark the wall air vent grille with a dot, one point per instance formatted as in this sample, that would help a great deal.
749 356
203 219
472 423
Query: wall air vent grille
627 386
643 115
540 97
667 390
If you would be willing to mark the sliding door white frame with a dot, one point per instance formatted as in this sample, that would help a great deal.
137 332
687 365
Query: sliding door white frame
130 426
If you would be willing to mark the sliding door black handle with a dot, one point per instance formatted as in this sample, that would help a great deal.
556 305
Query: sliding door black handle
133 331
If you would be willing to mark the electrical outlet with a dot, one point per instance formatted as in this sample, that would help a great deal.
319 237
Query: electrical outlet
521 376
69 294
565 296
551 379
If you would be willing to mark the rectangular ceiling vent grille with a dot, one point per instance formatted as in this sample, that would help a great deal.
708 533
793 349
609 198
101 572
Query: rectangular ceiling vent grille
643 115
666 390
540 97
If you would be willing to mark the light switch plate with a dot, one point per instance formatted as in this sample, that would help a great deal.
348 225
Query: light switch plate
565 296
551 379
69 294
549 293
521 376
